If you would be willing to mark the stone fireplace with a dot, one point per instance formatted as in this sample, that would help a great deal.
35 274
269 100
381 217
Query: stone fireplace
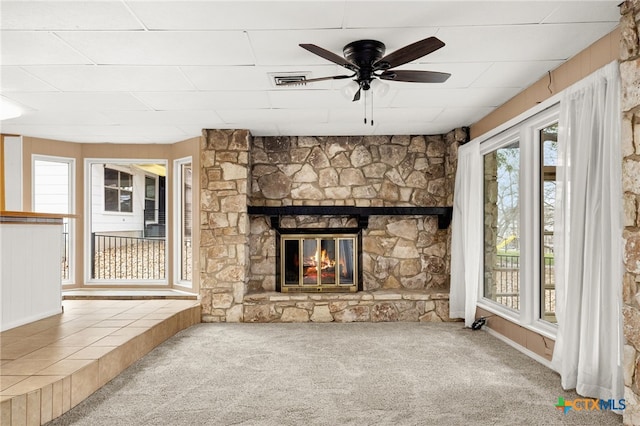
317 262
326 228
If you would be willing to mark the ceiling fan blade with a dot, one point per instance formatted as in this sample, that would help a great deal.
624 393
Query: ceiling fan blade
356 97
329 56
313 80
409 53
415 76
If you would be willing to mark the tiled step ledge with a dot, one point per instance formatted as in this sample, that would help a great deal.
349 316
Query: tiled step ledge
126 294
365 306
41 398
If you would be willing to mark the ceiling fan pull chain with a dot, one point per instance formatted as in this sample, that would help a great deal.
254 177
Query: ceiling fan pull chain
371 107
365 107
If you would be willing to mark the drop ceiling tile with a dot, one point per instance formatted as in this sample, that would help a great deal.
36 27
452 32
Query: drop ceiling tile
16 79
325 129
380 115
92 78
67 15
83 133
37 48
390 128
108 133
61 117
462 74
517 43
180 118
460 117
470 97
321 99
515 74
305 99
404 14
233 15
170 101
77 101
281 47
158 139
255 78
248 116
162 47
265 130
585 11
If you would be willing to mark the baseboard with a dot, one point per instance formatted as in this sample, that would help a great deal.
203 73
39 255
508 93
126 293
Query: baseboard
520 348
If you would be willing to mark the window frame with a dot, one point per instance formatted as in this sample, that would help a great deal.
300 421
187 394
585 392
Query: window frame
178 217
69 221
155 198
119 189
526 130
88 163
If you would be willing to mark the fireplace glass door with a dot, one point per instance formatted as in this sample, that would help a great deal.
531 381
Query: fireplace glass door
318 263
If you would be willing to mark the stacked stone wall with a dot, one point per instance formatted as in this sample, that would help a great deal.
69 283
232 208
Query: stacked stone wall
630 75
377 306
405 259
224 224
399 252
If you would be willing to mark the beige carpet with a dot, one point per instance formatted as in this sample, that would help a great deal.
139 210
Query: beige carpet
332 374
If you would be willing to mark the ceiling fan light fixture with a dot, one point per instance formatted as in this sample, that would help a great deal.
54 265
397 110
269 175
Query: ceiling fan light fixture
349 90
380 88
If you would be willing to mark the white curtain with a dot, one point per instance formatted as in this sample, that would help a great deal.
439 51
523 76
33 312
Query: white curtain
588 238
466 237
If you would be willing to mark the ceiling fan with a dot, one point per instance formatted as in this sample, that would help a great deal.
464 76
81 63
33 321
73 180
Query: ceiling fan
367 61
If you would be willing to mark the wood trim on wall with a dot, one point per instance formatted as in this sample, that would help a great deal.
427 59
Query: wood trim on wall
2 173
573 70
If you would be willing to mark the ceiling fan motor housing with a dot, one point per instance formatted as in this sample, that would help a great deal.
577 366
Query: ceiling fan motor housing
364 54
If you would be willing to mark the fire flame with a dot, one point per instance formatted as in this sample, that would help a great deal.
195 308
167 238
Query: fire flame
325 261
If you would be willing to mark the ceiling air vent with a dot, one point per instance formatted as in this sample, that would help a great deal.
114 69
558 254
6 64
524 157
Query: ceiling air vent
290 80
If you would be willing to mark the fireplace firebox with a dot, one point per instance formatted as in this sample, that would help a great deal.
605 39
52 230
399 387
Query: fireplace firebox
319 262
327 258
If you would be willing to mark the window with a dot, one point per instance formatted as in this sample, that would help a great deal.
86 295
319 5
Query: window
502 233
549 155
184 221
53 192
118 191
150 209
519 200
121 246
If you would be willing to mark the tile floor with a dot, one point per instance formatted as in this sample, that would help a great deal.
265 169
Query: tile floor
49 366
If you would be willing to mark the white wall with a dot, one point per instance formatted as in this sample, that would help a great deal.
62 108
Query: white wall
13 173
29 293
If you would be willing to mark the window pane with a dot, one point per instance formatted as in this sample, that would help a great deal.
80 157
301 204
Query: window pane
291 266
501 226
186 223
111 200
126 181
52 190
310 262
149 211
125 201
549 147
111 178
346 261
150 187
327 265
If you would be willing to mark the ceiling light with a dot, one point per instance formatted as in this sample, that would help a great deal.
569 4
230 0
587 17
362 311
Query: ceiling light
9 110
350 89
380 88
